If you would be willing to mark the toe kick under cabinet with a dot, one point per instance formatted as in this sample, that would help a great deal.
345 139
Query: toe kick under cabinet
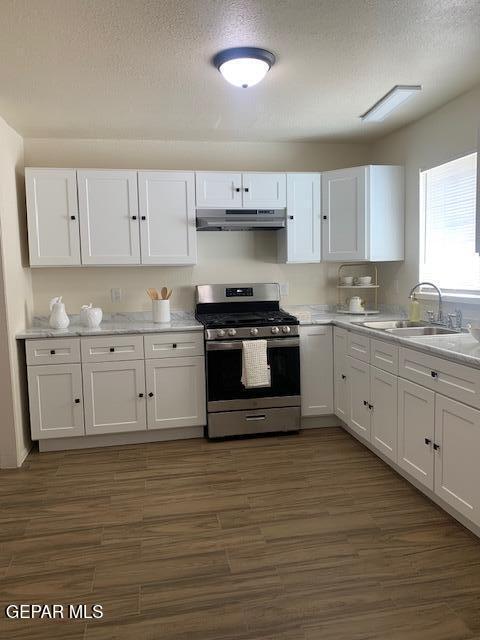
114 384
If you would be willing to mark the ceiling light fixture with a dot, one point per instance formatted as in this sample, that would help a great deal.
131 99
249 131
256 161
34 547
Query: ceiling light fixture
244 66
390 101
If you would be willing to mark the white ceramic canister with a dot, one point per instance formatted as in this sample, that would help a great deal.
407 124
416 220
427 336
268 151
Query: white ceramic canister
90 317
355 305
58 315
161 310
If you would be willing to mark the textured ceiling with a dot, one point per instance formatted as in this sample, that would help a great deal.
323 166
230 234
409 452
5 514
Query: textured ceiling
141 69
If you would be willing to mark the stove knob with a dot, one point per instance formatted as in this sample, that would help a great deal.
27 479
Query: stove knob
232 332
254 332
286 329
275 330
220 333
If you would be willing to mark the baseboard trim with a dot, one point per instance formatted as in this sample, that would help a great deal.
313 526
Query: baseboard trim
114 439
320 422
427 492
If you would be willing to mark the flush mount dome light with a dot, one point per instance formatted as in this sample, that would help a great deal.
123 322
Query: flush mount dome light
244 66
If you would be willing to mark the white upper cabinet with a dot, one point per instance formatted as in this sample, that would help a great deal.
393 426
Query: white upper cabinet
363 214
264 191
229 190
109 225
167 217
52 212
221 190
301 240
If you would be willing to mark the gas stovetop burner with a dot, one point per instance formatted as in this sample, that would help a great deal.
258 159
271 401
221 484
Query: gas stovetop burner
251 319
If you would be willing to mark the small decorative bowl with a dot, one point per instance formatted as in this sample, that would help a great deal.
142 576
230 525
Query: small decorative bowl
347 280
364 280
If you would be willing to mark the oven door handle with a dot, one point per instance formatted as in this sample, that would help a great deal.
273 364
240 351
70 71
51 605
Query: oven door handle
237 344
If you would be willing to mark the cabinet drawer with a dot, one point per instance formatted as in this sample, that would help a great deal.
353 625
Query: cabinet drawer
453 380
384 356
53 351
112 348
174 345
358 346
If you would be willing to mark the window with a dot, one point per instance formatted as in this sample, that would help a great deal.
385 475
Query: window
447 225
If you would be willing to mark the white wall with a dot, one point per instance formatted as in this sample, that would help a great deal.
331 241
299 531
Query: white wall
443 135
15 300
222 257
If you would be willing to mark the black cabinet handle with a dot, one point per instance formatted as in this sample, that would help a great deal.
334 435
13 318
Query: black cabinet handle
370 406
237 189
174 345
77 400
134 217
144 217
436 446
344 377
112 349
324 217
246 189
52 352
290 217
73 218
140 395
150 395
365 403
428 441
434 374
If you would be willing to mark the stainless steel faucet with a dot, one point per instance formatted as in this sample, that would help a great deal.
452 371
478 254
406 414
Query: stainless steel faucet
439 319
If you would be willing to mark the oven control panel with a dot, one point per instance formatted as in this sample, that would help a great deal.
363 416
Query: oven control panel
242 333
239 292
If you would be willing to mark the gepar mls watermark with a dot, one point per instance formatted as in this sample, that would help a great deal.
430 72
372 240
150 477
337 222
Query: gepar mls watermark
54 611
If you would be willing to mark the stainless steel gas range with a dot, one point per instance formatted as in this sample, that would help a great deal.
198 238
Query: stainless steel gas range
232 314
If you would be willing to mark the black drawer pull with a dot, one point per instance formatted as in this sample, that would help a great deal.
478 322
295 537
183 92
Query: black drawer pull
73 218
434 374
344 377
436 446
290 217
144 217
140 395
324 217
134 217
150 395
365 403
174 345
112 349
237 189
77 400
370 406
428 441
246 189
52 352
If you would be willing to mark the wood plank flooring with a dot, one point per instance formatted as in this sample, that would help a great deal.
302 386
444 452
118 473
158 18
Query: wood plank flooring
286 538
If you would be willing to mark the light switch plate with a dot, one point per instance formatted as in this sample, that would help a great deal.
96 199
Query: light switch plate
116 294
284 288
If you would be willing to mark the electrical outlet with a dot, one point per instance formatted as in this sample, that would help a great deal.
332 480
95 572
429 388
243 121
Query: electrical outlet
116 294
284 288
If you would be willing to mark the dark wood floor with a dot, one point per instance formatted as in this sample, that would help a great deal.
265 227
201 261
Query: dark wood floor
293 538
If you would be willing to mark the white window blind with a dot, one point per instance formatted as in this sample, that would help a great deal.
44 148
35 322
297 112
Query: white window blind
447 225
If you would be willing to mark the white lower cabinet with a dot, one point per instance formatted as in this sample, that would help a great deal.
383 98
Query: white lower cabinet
456 447
340 375
416 431
360 415
175 392
56 401
383 400
316 370
114 396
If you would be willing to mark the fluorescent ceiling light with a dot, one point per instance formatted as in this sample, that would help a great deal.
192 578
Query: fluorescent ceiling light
244 66
390 101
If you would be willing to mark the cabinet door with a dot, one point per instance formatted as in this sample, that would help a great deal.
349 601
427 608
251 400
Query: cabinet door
176 392
341 382
109 227
222 190
52 213
264 190
416 419
344 230
383 398
303 217
316 369
167 217
56 401
359 379
457 471
114 397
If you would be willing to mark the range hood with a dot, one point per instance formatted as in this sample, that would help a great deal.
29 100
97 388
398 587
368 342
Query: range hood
239 219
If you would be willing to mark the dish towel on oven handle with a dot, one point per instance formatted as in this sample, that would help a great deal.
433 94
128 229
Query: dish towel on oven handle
255 367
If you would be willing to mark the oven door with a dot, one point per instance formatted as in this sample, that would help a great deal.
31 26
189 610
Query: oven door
224 371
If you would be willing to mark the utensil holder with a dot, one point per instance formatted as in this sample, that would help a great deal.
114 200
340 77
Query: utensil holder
161 311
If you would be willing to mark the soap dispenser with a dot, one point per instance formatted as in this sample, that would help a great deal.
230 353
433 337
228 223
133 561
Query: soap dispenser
414 309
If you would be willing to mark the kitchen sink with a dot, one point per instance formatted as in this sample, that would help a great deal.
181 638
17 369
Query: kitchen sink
421 331
407 328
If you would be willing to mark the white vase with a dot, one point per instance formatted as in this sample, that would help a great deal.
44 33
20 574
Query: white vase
161 310
58 315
